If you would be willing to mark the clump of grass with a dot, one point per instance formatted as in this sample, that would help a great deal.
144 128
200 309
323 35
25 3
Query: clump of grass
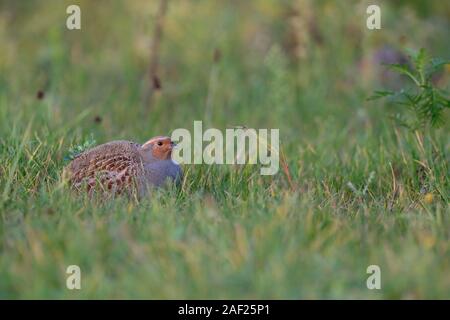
228 232
423 107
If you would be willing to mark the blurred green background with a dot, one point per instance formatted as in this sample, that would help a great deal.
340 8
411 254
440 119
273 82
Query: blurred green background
305 67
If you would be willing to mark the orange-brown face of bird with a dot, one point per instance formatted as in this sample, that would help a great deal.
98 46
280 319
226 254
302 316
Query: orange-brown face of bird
161 147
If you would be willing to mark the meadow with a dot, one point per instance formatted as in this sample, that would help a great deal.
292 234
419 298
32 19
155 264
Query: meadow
354 188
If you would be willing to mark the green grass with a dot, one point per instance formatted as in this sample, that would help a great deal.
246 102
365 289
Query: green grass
228 232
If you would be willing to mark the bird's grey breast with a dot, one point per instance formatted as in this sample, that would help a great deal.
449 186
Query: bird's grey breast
159 172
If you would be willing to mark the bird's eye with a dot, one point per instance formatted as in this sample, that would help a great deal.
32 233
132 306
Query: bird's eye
159 143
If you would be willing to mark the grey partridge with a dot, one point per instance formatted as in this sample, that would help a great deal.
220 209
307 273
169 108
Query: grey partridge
124 167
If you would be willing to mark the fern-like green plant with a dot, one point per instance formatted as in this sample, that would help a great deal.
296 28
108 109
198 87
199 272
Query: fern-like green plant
76 150
424 103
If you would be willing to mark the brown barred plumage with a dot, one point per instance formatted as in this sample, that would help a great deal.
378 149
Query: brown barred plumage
113 167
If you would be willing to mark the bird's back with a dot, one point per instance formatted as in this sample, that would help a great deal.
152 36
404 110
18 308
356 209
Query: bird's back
113 166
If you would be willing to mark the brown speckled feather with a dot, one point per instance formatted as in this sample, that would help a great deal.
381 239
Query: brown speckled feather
114 167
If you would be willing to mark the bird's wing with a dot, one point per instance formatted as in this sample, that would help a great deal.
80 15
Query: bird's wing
112 167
